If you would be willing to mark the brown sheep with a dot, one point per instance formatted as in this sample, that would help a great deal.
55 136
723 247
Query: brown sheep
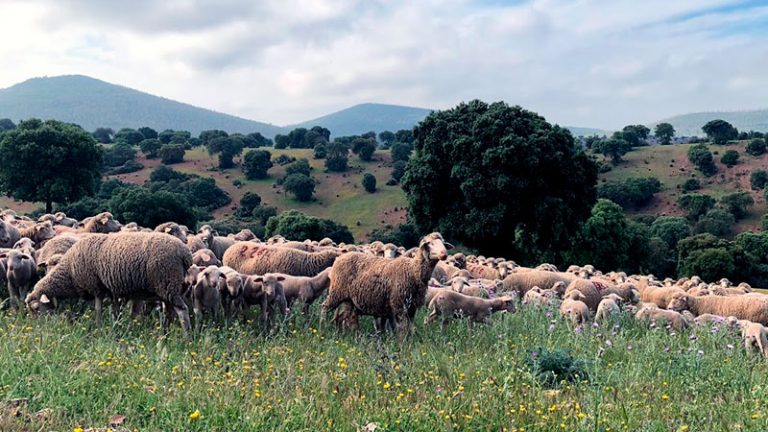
660 296
479 271
266 291
462 285
58 245
39 233
205 258
305 289
524 281
120 266
608 308
594 291
755 336
448 303
654 314
574 308
174 229
102 223
746 307
232 292
245 235
205 293
20 274
393 289
256 259
9 234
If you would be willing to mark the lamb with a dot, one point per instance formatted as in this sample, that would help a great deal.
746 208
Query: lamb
232 290
39 232
266 291
574 308
654 314
205 293
524 281
123 265
393 289
448 303
205 258
608 308
214 242
462 285
746 307
174 229
660 296
755 335
255 259
20 274
9 234
305 289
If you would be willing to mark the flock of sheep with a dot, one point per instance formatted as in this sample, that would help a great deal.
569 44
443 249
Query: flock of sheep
57 259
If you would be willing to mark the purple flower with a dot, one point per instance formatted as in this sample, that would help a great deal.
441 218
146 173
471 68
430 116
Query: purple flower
549 314
438 389
579 329
534 354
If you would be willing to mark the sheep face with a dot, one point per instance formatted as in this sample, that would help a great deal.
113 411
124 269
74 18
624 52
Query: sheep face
507 304
39 305
434 248
105 223
206 234
176 231
25 243
245 235
269 283
17 259
44 231
130 227
678 303
234 284
390 251
5 236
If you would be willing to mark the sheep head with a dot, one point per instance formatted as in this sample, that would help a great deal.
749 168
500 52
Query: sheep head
269 283
206 234
38 303
44 231
679 302
434 248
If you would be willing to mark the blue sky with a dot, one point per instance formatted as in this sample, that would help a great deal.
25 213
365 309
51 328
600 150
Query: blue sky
592 63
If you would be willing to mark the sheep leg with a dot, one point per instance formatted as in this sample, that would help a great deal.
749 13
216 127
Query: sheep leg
433 315
13 292
97 304
183 314
264 314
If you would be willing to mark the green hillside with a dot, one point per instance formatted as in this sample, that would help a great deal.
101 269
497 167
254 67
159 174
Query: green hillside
92 103
690 124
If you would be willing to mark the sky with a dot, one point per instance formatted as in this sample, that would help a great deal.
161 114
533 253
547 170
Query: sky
586 63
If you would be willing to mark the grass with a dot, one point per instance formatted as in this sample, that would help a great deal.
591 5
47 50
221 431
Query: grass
70 373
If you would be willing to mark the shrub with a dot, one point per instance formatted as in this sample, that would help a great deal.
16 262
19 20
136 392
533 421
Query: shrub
295 225
405 235
171 153
369 182
737 203
758 179
301 166
398 170
118 155
248 203
337 157
696 205
554 367
149 209
691 184
364 147
632 192
401 151
284 159
256 163
320 151
128 167
670 229
300 185
717 222
730 158
756 147
700 156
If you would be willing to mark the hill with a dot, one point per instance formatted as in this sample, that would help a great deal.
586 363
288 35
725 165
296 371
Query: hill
93 103
366 117
690 124
585 131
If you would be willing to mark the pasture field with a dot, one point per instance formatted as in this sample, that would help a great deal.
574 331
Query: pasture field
66 374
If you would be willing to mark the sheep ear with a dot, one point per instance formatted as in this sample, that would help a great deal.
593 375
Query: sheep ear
258 279
281 278
448 245
205 256
168 230
44 299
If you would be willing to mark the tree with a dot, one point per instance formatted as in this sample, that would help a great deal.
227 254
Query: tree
691 185
633 192
295 225
6 125
398 170
635 135
256 139
364 147
337 157
137 204
758 179
737 203
387 138
322 132
700 156
603 240
281 141
301 186
226 147
129 136
103 135
695 205
301 166
614 148
661 260
321 150
401 151
404 136
256 163
248 203
170 136
119 154
720 131
165 174
49 161
150 147
712 258
670 229
473 162
664 132
404 235
717 222
730 158
756 147
369 182
296 138
207 136
171 153
148 132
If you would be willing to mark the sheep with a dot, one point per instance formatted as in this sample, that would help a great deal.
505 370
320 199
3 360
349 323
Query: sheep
302 246
385 288
755 336
480 271
123 265
25 245
709 319
20 274
592 290
252 258
245 235
445 271
448 303
746 307
574 308
9 234
62 219
305 289
102 223
654 314
547 267
390 251
58 245
266 291
130 227
535 297
205 293
660 296
205 258
174 229
195 243
232 290
524 281
608 308
219 245
462 285
39 232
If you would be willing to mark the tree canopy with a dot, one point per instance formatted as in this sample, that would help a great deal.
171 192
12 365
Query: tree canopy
501 179
295 225
664 132
720 131
256 163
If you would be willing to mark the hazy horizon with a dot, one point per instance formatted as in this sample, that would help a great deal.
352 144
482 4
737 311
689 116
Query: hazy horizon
587 64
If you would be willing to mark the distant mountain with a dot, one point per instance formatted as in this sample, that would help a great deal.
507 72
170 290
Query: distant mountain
690 124
584 131
366 117
93 103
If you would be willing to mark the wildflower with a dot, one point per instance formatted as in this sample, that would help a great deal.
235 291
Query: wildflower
387 385
77 429
551 328
579 329
692 337
700 352
629 347
608 343
194 415
438 389
595 324
664 397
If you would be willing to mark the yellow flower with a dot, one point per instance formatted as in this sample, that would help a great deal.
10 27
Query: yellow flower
387 386
195 415
77 429
664 397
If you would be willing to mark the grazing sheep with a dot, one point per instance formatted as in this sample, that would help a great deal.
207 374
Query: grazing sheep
480 271
9 234
592 290
608 308
205 293
524 281
39 233
205 258
266 291
535 297
745 307
709 319
445 271
20 274
574 308
305 289
174 229
253 259
660 296
755 336
447 304
120 266
385 288
654 314
102 223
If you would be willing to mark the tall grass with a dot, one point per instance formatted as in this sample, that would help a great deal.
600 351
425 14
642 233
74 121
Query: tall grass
301 378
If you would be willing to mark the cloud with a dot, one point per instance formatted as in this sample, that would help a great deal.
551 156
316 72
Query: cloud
590 63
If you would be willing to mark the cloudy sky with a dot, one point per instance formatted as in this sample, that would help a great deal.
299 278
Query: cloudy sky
599 63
